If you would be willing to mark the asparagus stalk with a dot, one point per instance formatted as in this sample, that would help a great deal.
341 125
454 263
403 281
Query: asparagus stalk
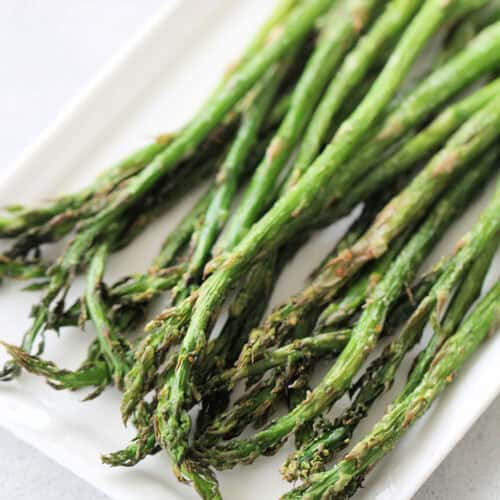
421 146
95 374
164 273
111 358
259 336
14 269
348 474
320 345
244 314
289 211
338 312
131 293
113 347
133 222
382 371
293 391
23 219
128 296
342 26
351 73
402 309
379 378
470 289
191 170
158 339
470 140
135 451
232 168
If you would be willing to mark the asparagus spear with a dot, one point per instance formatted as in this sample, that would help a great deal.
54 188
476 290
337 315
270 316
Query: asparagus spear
132 224
245 314
191 170
11 268
346 477
292 390
165 270
131 293
320 345
342 26
22 218
401 310
246 317
114 352
289 211
232 169
157 339
379 377
471 289
95 374
360 225
113 347
139 448
467 143
422 145
382 371
354 68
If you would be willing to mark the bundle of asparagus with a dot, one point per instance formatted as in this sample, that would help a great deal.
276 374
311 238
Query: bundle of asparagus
320 115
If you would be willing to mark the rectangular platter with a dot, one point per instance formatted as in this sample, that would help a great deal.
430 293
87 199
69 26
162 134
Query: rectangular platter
154 86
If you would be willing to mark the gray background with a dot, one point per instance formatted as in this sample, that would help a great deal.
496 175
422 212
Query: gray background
49 50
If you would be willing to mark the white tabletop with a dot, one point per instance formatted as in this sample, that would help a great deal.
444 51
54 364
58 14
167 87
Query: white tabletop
49 50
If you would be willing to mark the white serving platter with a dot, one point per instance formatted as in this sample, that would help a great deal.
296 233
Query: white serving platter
152 87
